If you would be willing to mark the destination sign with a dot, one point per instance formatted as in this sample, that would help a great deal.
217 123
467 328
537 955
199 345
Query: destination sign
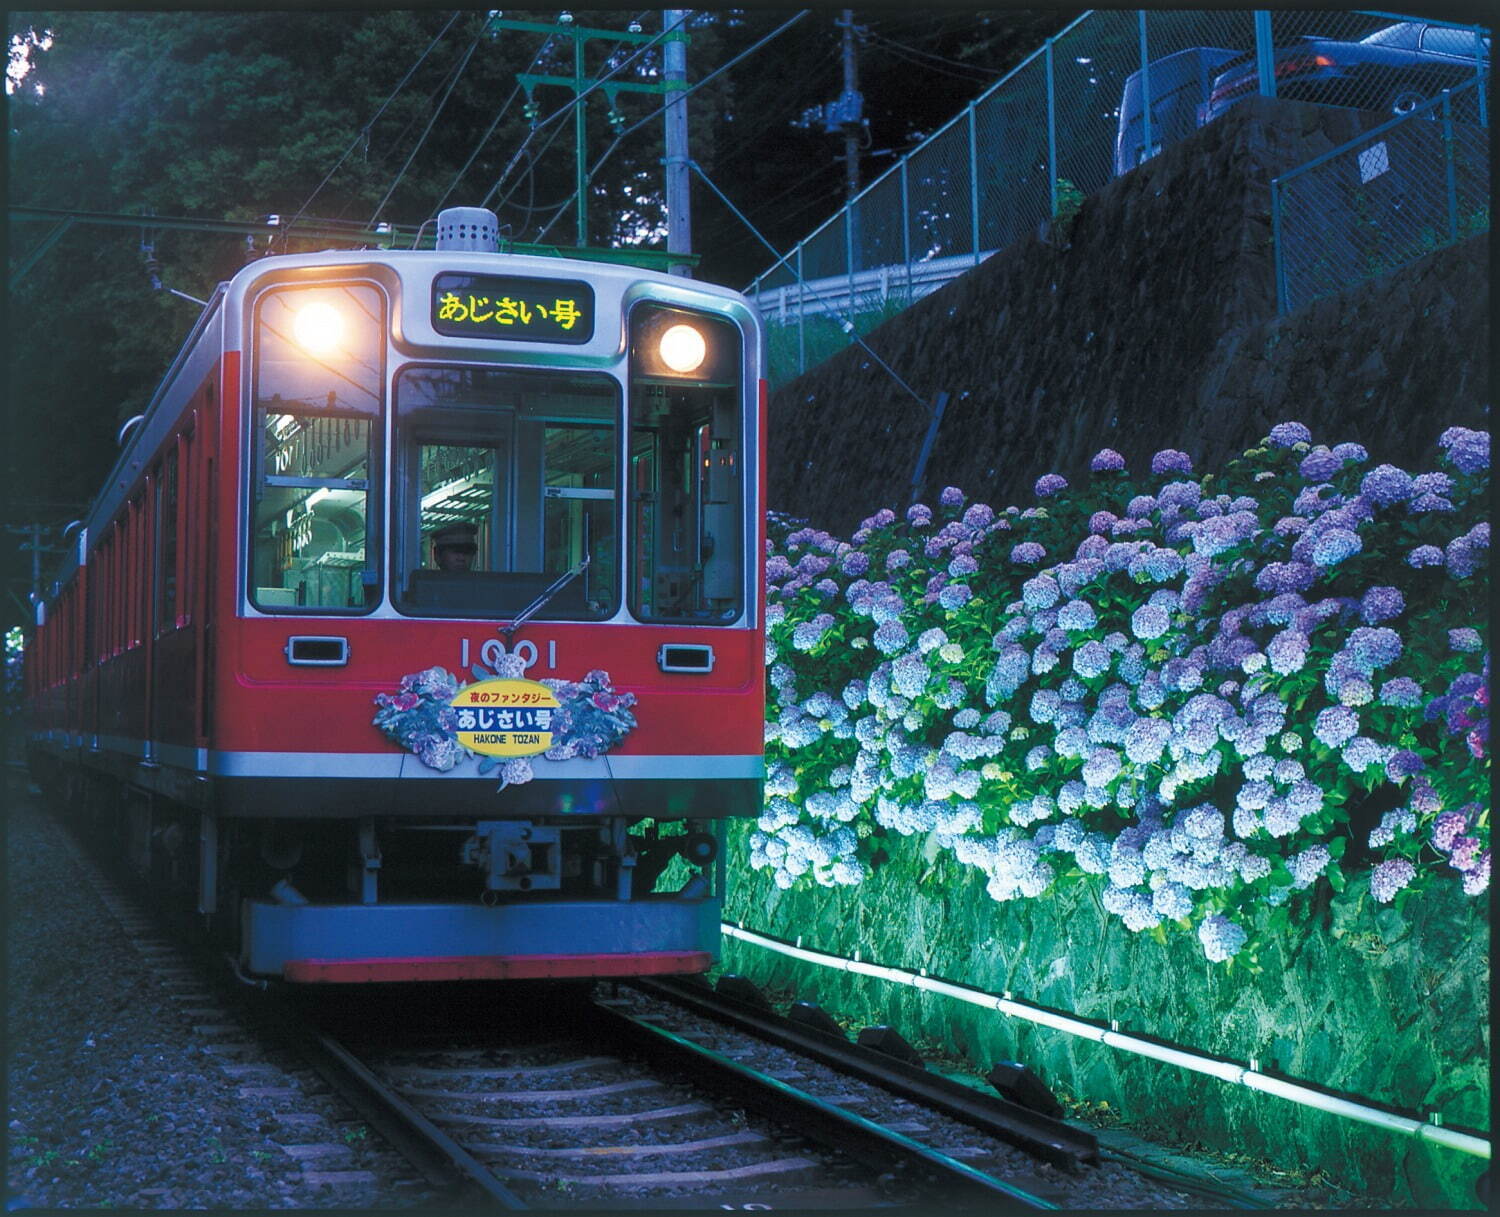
508 306
505 717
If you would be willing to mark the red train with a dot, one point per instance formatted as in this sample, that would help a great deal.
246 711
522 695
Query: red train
418 631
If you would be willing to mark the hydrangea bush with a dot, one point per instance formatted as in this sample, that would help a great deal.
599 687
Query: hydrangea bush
1216 698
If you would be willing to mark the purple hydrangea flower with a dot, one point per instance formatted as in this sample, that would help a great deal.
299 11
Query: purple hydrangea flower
952 496
1049 484
919 515
1468 451
1351 452
980 515
1404 763
1102 521
1386 485
1447 828
1284 435
1092 659
1150 621
1027 553
1389 877
1402 692
1425 555
1107 460
855 563
1373 647
1319 465
1282 577
1170 460
1381 604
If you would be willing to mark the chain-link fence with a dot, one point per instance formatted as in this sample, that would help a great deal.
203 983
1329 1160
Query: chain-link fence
1107 93
1411 186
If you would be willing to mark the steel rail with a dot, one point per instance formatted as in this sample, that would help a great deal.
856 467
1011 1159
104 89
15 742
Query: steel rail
865 1140
1054 1140
437 1155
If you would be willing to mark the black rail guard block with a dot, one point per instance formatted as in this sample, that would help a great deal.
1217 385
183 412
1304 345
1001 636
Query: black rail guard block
742 990
1051 1139
810 1014
1021 1084
890 1041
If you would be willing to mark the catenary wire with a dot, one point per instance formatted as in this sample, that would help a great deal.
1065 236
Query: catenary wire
458 72
364 130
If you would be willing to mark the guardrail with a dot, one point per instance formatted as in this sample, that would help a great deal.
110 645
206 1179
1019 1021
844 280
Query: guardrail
1405 189
1107 93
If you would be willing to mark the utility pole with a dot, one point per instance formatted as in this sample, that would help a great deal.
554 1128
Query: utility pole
678 181
851 105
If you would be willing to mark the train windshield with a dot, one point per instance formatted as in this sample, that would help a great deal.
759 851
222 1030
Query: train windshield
507 483
687 495
318 387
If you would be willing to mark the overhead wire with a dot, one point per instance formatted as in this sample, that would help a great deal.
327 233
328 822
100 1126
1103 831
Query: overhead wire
364 131
426 131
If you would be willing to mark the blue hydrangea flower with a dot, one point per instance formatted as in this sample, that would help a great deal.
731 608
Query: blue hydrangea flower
1389 877
1092 659
1221 938
1283 577
1402 692
1169 460
1049 484
1106 460
952 496
1335 546
1077 615
1468 451
919 515
1351 453
1284 435
1335 726
1027 553
890 637
1373 647
1465 638
1386 485
1381 604
1361 753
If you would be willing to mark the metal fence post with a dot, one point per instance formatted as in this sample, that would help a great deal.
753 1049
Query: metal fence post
1479 62
1051 132
1449 167
1278 259
1265 53
974 182
801 315
849 251
906 227
1145 89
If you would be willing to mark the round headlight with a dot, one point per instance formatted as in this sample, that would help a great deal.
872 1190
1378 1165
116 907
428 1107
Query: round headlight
318 327
682 348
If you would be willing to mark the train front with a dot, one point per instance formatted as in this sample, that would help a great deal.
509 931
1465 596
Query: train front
495 676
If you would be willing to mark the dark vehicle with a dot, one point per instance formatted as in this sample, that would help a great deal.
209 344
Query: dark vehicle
1393 70
1177 86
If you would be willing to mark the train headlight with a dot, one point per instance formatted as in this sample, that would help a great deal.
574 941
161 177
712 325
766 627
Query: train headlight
683 348
318 327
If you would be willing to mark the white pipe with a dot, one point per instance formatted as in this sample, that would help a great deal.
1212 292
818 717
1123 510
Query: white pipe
1225 1071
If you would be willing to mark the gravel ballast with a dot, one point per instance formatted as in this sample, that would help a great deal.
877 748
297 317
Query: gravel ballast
123 1095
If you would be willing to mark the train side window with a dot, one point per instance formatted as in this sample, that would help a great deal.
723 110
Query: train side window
166 544
687 493
507 482
319 395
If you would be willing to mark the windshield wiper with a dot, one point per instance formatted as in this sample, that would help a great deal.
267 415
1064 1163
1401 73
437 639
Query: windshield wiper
541 601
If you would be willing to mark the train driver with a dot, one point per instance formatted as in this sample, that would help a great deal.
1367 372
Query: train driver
454 547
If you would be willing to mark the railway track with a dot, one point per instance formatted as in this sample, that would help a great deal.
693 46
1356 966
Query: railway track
649 1095
622 1109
